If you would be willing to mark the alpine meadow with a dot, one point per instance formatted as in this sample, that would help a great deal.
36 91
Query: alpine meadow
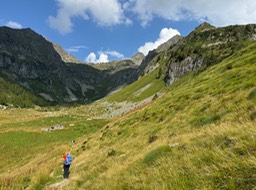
181 117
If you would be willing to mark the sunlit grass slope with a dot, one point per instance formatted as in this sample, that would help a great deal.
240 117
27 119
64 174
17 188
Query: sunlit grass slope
30 156
143 88
200 135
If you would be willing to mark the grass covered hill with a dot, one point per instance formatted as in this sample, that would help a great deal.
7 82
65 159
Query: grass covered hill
199 135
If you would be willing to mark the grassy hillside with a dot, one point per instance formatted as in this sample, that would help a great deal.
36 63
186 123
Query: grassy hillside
199 135
31 157
139 90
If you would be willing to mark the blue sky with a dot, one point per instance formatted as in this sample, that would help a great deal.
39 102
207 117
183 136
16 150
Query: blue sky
103 30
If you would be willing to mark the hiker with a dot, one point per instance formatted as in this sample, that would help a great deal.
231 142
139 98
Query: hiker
67 162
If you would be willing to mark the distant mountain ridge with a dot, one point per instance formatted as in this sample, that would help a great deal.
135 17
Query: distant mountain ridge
46 70
28 59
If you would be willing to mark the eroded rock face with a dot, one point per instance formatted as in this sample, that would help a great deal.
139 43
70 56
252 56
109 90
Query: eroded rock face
176 70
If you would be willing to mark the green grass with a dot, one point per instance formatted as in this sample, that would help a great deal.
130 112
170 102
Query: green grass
72 124
131 93
151 158
21 145
209 116
215 161
23 142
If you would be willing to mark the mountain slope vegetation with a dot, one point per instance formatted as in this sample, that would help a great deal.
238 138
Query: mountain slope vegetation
13 95
199 135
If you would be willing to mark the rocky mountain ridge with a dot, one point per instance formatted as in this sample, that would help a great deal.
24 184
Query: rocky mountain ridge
66 57
138 58
28 59
203 47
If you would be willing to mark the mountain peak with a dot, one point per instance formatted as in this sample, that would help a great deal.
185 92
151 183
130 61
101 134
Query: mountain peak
138 58
165 46
203 27
66 57
21 42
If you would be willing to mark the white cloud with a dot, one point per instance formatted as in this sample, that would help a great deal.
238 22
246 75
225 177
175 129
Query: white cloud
70 50
13 24
103 56
218 12
164 36
114 54
75 48
103 12
112 12
92 58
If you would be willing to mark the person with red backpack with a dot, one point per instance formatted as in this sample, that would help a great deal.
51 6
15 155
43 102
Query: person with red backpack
67 162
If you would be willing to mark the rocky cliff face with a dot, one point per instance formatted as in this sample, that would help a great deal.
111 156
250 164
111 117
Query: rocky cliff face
31 61
158 55
205 46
